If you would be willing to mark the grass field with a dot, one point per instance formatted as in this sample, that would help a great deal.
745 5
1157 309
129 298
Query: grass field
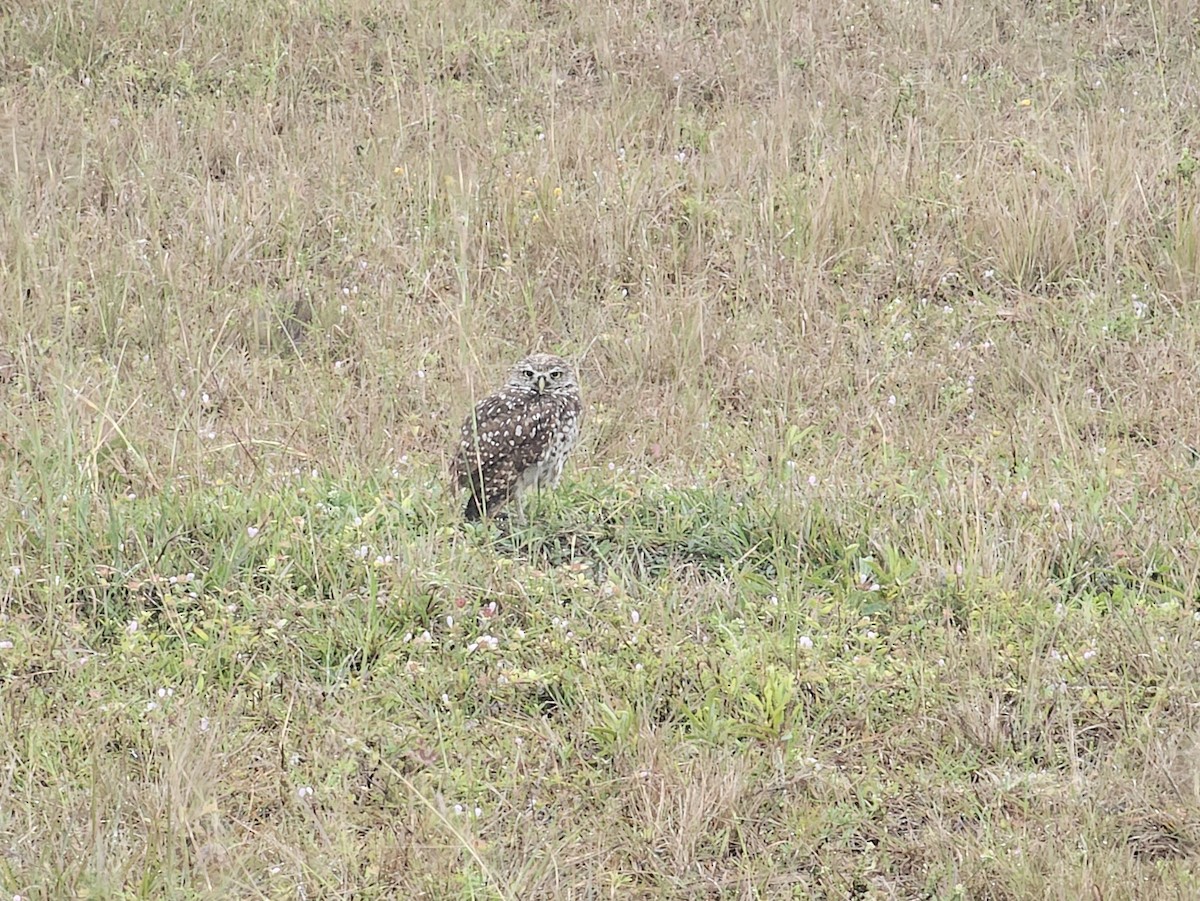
876 573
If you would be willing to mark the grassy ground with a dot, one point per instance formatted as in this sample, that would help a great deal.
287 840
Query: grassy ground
874 578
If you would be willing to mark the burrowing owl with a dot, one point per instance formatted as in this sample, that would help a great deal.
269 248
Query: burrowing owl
519 437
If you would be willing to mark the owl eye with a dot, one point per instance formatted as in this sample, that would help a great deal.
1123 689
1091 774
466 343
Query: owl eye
528 373
556 374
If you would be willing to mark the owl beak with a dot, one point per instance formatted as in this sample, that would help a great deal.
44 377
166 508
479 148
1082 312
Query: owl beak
541 384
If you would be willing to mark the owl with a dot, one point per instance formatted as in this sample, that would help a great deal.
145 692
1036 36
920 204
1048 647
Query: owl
519 437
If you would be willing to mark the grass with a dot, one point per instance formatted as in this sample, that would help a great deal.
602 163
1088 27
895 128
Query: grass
875 576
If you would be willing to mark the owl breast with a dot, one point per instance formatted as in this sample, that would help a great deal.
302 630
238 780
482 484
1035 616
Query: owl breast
562 427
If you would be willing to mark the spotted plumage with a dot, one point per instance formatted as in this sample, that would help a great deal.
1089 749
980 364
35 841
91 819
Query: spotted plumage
519 437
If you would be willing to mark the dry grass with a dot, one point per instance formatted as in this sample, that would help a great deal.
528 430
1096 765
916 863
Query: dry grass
875 577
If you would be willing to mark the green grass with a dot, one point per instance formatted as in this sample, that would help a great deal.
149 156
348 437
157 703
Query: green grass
875 575
327 684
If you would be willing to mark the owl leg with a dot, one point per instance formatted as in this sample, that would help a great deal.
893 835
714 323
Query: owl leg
518 509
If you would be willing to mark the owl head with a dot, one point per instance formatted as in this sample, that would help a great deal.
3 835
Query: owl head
543 374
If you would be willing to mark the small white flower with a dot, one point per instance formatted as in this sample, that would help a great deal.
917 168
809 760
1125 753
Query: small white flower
131 626
15 570
812 481
304 791
252 531
634 617
891 400
805 642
